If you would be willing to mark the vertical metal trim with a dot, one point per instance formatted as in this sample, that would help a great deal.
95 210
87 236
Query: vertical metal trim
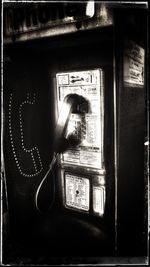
2 132
102 111
115 134
147 115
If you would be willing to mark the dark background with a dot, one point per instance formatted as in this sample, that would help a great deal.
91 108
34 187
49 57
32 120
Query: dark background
30 67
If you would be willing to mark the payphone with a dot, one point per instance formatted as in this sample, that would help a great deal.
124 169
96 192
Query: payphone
82 163
78 143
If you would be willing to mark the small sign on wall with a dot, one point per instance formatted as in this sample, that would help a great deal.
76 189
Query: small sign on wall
133 64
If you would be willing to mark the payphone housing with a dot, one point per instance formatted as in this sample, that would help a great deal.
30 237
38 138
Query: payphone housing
82 163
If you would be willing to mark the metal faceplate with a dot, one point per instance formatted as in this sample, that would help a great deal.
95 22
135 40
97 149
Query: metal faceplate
89 126
77 192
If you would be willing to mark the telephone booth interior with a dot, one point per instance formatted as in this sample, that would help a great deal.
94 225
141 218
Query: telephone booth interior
67 206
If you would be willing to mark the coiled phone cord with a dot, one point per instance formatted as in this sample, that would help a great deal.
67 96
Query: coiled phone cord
41 183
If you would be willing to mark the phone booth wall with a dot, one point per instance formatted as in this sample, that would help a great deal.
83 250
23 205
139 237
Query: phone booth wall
72 127
131 79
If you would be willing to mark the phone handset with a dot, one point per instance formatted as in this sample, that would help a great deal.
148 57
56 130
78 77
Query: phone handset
73 103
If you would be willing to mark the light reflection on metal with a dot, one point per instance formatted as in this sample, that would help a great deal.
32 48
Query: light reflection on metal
90 9
101 180
99 200
103 12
